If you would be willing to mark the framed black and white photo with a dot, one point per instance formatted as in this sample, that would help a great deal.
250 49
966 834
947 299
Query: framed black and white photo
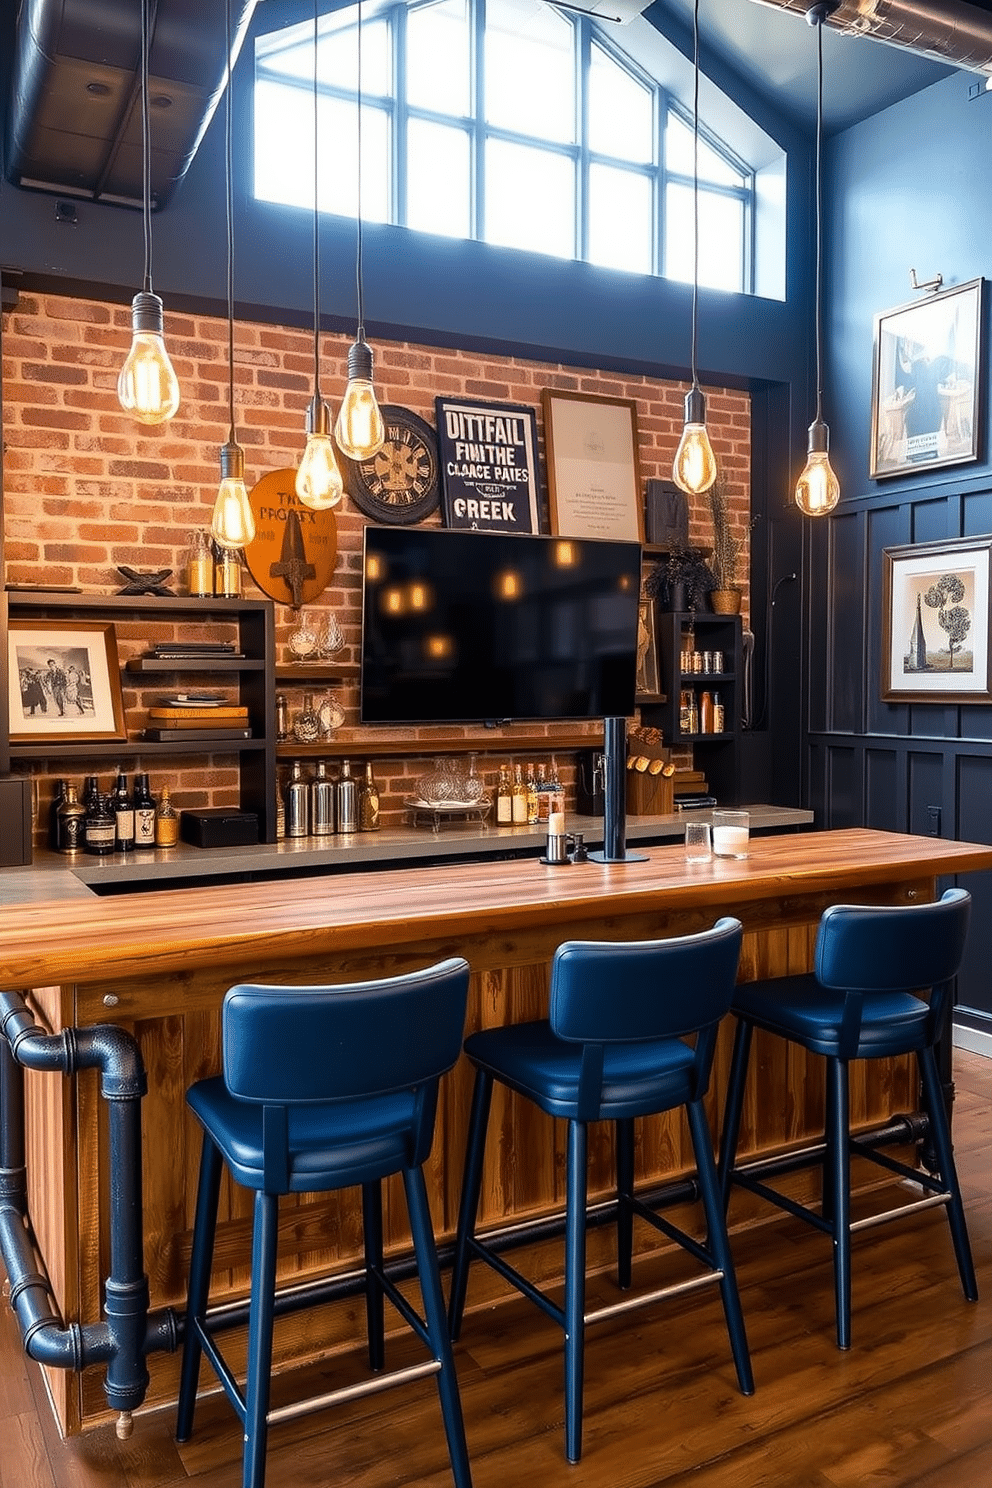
488 458
65 681
594 481
927 380
935 622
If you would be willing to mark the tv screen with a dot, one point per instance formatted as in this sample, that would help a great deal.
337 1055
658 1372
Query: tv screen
469 627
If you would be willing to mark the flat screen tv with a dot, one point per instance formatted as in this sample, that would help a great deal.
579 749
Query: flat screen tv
469 627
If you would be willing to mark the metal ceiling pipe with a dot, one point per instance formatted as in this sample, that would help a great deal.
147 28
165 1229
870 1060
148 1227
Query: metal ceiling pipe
954 32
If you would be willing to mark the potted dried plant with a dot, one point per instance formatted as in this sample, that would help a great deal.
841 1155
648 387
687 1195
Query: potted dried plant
728 549
681 581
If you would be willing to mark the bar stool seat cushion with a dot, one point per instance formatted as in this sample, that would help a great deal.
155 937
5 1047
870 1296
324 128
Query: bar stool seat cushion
330 1146
801 1009
638 1078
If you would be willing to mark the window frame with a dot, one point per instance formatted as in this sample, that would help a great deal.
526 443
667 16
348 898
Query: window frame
587 34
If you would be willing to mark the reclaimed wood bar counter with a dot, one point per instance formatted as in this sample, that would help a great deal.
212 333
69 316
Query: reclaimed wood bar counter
158 964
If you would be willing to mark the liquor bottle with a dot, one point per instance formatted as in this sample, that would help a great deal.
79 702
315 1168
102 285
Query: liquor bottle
90 791
101 832
519 812
719 716
306 724
70 821
556 789
531 797
368 802
282 716
504 797
58 796
347 800
200 566
166 821
321 802
297 803
227 571
144 813
123 815
706 713
543 797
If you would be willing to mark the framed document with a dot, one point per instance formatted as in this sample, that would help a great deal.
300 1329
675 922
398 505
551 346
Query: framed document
594 480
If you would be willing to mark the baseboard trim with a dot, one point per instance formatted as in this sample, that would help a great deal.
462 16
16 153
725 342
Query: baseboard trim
973 1039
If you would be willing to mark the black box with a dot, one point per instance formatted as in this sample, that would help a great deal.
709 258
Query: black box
218 826
15 822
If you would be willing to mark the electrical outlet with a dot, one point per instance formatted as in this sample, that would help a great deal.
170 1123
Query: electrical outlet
933 814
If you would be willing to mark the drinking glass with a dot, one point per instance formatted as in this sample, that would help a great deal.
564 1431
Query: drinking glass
697 842
730 833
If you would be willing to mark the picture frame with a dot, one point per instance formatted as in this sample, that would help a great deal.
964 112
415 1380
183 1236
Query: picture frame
489 465
64 682
927 382
936 618
648 679
594 483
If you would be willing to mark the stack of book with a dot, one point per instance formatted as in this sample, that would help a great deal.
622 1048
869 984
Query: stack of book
196 717
194 650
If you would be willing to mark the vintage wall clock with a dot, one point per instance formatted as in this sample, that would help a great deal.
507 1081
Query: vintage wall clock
400 484
294 550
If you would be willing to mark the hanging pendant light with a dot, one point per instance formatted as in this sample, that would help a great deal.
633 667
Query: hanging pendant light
694 468
232 524
318 479
818 489
359 430
147 386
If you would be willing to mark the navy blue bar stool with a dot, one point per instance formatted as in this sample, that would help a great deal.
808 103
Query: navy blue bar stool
614 1047
325 1088
880 984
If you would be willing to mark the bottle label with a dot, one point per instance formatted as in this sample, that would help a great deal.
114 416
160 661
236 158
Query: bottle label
124 826
144 826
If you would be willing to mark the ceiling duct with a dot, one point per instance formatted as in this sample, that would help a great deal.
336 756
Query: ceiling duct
75 115
953 32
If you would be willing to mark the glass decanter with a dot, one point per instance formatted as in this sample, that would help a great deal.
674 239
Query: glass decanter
439 786
303 640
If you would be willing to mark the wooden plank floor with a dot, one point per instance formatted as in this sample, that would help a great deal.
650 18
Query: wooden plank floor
908 1405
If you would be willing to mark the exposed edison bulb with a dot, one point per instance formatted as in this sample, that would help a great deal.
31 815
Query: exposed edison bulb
318 479
360 429
817 489
147 386
694 466
232 524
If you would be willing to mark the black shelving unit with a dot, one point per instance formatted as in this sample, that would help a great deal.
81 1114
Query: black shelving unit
252 671
718 755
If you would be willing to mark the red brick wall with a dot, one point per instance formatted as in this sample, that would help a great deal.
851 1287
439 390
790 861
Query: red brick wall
87 489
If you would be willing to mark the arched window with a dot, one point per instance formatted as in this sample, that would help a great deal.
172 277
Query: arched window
503 120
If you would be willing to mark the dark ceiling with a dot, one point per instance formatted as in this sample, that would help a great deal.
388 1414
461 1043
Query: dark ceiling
73 117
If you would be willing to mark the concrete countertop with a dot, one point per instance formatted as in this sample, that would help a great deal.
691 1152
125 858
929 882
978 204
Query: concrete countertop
56 877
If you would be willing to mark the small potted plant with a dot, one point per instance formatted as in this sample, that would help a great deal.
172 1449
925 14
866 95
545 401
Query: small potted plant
681 581
728 548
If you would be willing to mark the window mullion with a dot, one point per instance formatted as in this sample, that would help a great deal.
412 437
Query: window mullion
480 129
583 62
401 117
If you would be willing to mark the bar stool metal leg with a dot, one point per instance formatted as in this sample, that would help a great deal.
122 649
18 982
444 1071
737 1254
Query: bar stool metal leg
201 1261
940 1134
422 1232
374 1298
482 1094
265 1236
838 1158
575 1285
719 1244
734 1108
625 1195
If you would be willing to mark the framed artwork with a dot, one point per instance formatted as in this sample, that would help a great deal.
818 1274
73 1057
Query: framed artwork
65 681
648 683
594 482
927 380
935 622
488 458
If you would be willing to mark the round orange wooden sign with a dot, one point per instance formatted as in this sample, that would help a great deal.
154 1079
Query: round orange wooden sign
294 550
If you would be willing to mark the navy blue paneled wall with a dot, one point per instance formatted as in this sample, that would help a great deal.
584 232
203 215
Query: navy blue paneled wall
906 189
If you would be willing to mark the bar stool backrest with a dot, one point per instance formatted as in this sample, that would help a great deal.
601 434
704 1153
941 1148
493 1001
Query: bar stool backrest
298 1045
617 992
917 948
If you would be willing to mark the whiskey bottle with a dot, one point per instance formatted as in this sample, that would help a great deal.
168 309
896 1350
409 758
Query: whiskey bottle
166 821
368 802
297 803
347 800
144 813
531 797
70 822
123 815
519 812
322 802
504 797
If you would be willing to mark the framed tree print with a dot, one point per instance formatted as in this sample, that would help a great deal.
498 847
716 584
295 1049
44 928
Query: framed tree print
935 622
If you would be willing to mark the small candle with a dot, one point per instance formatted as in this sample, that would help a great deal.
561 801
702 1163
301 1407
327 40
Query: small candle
730 842
556 824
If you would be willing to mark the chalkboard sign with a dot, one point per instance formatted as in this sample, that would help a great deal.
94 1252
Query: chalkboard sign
488 457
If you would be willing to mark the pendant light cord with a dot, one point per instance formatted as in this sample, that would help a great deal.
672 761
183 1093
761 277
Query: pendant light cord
358 250
695 189
228 169
819 192
146 150
316 218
